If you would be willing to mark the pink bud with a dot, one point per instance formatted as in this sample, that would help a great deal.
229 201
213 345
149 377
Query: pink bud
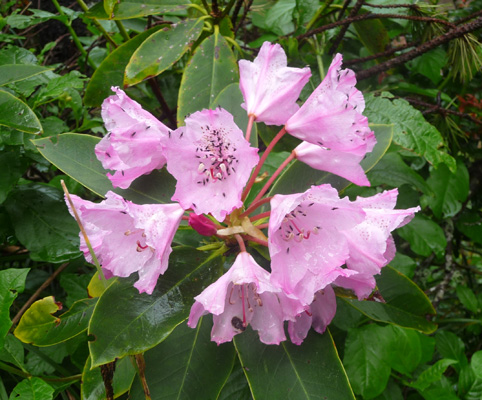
202 224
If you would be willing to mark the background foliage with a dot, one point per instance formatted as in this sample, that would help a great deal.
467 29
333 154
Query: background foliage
63 335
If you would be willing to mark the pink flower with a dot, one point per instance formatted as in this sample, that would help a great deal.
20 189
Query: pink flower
211 161
270 88
242 296
331 117
343 163
129 238
307 243
319 315
133 145
370 243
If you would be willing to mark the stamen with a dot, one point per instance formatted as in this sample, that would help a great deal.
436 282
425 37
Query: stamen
244 310
230 294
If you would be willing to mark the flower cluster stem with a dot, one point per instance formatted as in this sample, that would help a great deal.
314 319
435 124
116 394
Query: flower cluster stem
254 205
250 127
250 183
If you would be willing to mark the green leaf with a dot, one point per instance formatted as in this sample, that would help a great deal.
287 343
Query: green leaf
162 50
12 282
93 388
59 87
470 224
424 236
32 389
373 35
236 387
432 93
127 322
432 374
442 389
13 352
449 345
391 392
469 385
366 360
42 223
111 71
406 305
210 70
476 363
191 364
127 9
231 99
392 170
467 298
405 349
310 371
279 18
430 64
39 327
412 131
298 177
109 7
449 190
73 153
10 73
14 113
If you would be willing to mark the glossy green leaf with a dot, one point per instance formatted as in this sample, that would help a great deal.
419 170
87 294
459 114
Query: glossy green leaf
470 224
424 236
412 131
406 305
109 7
430 64
310 371
15 114
449 190
13 352
32 389
12 282
186 364
231 99
476 363
441 389
10 73
210 70
450 346
405 349
93 388
73 153
299 177
39 327
111 71
12 167
236 387
42 223
126 322
432 374
469 385
279 18
162 50
366 360
137 8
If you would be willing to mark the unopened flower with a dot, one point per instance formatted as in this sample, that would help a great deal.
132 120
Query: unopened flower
244 295
306 241
128 238
331 117
270 88
202 225
319 315
211 161
133 145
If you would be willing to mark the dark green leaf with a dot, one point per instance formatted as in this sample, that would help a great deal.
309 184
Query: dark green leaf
299 177
470 224
12 167
432 374
391 392
449 345
441 389
449 190
14 113
186 364
32 389
412 131
405 349
10 73
162 50
13 352
236 387
42 223
74 154
93 388
210 70
137 8
126 322
424 236
310 371
59 87
111 71
469 385
430 64
366 360
373 35
476 363
467 298
39 327
279 18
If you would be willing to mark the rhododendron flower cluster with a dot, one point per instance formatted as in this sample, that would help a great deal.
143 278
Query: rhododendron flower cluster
317 240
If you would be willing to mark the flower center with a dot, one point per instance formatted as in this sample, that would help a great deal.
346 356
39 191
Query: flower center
244 292
215 154
294 225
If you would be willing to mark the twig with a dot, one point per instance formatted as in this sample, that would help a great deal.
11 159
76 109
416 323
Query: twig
448 266
141 369
243 17
423 48
32 298
160 98
341 34
343 9
237 8
469 17
385 53
412 6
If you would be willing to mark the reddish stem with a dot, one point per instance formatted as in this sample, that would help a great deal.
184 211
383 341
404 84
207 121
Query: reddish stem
254 206
250 126
260 216
240 240
256 240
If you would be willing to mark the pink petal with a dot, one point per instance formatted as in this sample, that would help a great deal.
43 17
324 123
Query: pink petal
331 117
133 146
270 88
211 161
